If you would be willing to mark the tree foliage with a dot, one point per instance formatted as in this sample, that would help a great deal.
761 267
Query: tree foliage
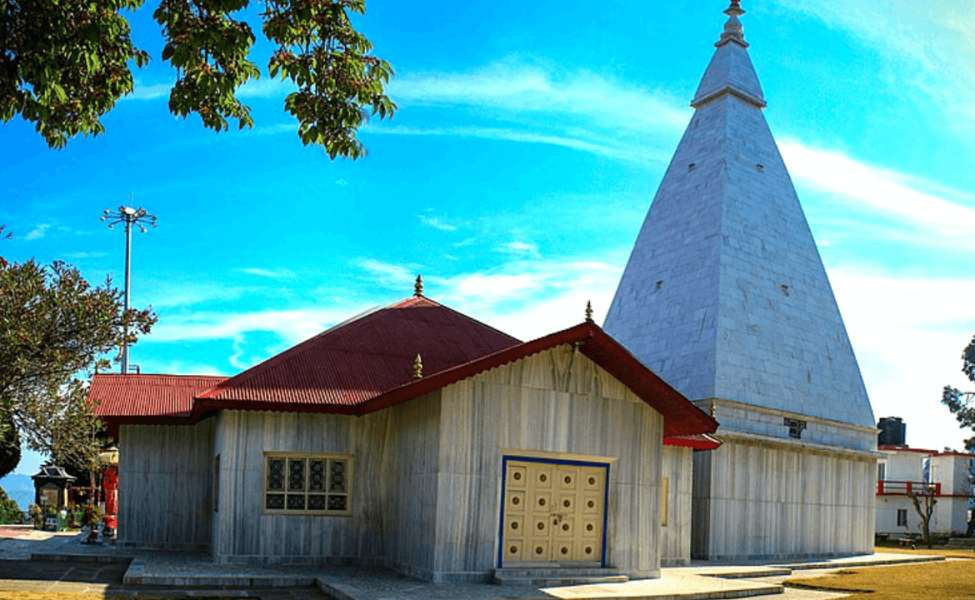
54 330
9 446
962 404
65 63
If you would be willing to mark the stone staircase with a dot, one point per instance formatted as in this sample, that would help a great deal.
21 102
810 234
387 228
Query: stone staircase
962 543
557 576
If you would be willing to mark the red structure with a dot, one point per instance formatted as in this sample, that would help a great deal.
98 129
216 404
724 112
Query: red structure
110 483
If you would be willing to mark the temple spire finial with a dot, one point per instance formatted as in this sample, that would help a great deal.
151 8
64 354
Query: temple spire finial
735 9
418 286
418 367
588 310
733 31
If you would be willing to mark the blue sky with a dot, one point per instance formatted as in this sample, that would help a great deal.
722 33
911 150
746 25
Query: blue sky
529 142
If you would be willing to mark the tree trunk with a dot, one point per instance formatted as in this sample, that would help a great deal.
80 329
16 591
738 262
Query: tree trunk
925 514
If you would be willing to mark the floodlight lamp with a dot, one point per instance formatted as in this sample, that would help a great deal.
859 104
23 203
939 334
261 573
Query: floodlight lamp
106 212
141 212
102 218
127 210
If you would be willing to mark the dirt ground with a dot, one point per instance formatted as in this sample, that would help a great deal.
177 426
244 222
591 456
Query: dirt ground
950 580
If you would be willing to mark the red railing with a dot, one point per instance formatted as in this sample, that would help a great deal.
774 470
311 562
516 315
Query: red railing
903 488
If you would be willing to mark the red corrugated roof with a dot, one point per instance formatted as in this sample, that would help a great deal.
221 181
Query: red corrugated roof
366 365
362 359
697 441
147 395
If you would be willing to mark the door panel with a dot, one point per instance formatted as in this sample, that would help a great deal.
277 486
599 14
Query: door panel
553 513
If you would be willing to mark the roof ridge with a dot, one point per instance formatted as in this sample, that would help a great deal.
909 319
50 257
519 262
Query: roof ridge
251 372
135 375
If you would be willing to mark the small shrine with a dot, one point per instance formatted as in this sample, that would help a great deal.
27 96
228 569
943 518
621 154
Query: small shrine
51 486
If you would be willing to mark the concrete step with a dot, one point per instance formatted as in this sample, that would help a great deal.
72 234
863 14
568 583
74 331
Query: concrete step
961 543
546 577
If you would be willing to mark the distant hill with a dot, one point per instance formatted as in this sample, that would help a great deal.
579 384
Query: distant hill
20 488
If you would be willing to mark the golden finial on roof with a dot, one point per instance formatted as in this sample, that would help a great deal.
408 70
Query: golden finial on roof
713 409
418 286
588 310
418 368
735 9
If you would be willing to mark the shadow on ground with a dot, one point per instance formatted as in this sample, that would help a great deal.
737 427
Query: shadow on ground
66 571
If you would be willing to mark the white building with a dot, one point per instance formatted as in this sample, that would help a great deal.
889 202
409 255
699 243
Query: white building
726 298
903 470
483 459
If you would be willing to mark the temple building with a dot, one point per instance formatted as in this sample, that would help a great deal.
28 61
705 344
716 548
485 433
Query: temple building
416 438
726 298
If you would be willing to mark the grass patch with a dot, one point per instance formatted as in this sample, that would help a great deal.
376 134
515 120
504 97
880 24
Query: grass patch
948 580
893 548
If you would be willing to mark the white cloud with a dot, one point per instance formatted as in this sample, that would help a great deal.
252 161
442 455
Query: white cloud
274 129
152 91
526 298
184 294
266 87
628 151
436 223
38 232
292 326
180 367
530 298
929 46
386 273
910 200
517 247
512 85
83 255
908 334
269 273
534 104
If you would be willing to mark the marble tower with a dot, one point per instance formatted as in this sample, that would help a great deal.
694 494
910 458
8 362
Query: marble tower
726 298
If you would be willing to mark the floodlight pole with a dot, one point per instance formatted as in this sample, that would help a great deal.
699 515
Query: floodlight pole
129 216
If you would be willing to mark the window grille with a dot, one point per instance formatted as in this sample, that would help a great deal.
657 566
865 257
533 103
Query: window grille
308 484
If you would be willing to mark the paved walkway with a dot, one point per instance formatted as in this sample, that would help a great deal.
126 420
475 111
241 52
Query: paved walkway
104 569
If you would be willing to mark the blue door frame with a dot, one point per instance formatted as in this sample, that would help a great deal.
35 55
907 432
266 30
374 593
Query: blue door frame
552 461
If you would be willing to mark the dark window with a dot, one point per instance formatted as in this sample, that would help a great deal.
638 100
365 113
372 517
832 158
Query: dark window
902 517
795 427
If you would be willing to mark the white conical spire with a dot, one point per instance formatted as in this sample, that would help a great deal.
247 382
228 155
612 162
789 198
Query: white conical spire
724 294
730 70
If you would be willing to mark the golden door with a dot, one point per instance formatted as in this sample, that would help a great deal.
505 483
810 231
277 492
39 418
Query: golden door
553 513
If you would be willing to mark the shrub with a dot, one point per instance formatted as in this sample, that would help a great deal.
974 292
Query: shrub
10 512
